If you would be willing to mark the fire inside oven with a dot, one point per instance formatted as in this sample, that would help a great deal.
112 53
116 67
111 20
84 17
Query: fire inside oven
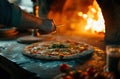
73 16
76 16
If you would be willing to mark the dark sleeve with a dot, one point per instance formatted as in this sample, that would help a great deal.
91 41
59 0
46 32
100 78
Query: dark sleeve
10 14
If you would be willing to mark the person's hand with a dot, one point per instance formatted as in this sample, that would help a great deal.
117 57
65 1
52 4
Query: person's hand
47 26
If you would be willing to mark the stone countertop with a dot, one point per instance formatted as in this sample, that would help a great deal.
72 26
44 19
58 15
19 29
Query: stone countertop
12 50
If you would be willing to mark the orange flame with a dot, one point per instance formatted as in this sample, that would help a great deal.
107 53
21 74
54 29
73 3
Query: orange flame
95 25
76 19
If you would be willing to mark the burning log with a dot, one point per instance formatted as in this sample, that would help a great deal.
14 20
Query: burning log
111 13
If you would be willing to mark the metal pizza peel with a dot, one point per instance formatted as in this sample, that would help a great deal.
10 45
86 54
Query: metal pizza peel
37 36
29 39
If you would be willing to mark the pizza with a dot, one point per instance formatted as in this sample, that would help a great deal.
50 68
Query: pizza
57 50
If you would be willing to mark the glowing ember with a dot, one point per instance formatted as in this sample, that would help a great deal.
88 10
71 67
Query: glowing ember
79 16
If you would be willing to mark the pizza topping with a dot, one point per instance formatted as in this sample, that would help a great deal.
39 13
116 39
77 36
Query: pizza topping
58 45
54 53
60 50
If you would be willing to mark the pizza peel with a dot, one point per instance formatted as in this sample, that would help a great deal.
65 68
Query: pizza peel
29 39
37 37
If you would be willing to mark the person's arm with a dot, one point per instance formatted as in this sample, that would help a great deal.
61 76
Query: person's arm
30 21
12 16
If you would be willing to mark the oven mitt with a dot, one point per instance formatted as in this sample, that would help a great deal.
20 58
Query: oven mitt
11 70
